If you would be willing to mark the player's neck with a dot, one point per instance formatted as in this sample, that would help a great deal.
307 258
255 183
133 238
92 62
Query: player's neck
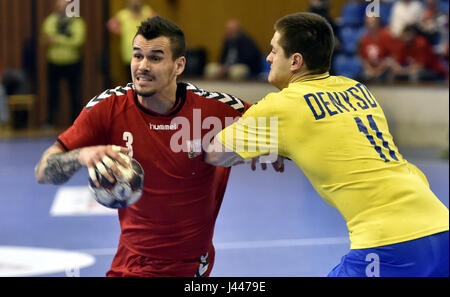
162 101
297 77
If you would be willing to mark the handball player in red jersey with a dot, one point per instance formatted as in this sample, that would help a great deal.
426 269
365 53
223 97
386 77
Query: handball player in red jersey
163 124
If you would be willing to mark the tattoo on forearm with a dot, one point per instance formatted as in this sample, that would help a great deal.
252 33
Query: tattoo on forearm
61 167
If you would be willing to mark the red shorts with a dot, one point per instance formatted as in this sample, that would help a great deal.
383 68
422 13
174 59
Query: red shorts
128 264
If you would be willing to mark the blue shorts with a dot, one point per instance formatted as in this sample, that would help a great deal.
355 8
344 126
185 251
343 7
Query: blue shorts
425 256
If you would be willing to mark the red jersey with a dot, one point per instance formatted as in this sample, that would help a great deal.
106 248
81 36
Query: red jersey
419 51
375 48
175 217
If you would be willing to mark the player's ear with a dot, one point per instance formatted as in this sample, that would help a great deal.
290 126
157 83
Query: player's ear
297 62
180 64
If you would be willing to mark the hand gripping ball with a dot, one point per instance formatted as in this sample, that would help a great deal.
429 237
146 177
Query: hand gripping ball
125 191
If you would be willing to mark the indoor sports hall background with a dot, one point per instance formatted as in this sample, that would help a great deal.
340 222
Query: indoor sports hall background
270 224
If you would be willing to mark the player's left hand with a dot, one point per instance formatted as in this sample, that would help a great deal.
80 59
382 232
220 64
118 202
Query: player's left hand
278 165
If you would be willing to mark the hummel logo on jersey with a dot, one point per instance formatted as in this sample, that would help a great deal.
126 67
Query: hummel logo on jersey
170 127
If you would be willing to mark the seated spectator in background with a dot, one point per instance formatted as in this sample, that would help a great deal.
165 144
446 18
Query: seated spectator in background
434 26
404 13
124 24
13 81
240 58
63 38
415 59
374 51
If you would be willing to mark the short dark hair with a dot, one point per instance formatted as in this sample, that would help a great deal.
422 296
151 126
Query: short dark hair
157 26
310 35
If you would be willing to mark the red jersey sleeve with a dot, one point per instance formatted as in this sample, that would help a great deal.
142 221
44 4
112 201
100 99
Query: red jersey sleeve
91 126
224 109
226 105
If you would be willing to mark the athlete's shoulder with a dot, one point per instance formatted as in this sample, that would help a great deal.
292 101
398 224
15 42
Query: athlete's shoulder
111 95
343 80
221 97
286 95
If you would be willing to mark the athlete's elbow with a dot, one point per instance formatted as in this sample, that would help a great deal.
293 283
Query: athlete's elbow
39 174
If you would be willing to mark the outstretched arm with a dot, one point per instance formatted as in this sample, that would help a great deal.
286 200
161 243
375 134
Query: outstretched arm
217 155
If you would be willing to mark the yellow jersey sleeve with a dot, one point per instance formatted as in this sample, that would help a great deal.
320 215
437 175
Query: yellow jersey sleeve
255 133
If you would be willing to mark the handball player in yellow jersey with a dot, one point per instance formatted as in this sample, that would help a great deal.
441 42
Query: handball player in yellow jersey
335 131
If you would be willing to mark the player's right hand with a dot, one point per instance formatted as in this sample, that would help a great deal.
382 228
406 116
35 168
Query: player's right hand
102 158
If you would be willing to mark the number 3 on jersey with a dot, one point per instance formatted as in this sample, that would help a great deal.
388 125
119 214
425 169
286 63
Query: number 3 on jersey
363 129
128 137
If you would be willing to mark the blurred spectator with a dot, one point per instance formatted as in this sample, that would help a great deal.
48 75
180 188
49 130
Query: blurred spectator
374 51
240 57
63 38
415 59
434 26
124 24
15 82
404 13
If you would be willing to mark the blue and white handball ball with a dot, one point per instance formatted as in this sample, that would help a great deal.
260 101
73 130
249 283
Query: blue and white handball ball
125 191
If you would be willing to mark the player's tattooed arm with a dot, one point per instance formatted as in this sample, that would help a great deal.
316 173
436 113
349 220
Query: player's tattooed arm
57 167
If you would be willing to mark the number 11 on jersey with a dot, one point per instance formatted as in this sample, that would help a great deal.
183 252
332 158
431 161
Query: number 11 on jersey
363 129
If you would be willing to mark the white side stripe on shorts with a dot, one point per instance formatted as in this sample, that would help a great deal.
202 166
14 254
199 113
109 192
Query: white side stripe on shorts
204 264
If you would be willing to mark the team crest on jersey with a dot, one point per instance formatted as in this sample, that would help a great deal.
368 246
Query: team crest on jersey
194 148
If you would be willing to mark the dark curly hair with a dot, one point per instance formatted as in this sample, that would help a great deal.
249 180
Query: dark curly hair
157 26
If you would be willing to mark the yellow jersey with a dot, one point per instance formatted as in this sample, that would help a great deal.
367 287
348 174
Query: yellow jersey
335 131
67 46
128 29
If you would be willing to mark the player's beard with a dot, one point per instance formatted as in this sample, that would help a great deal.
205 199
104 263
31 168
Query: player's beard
141 91
145 94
